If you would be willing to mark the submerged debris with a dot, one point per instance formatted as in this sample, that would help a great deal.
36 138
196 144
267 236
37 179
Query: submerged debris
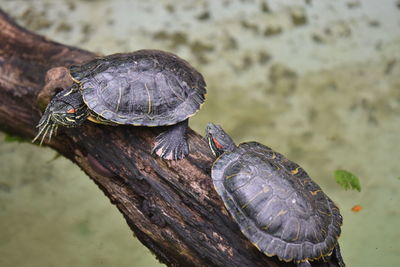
298 16
272 29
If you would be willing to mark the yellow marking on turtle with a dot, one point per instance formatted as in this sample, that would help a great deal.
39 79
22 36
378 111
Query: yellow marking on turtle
295 171
265 227
315 192
149 99
297 234
302 260
323 231
265 205
325 213
102 115
72 78
281 212
315 235
256 243
119 98
273 156
70 91
177 95
235 174
269 255
99 120
230 176
93 119
335 208
264 190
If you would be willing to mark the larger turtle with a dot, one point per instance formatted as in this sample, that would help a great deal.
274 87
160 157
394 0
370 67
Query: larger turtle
143 88
276 204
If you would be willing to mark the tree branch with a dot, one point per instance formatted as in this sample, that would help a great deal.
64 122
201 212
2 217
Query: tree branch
171 206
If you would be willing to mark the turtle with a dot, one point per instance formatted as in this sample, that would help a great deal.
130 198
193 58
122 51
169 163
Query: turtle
142 88
274 201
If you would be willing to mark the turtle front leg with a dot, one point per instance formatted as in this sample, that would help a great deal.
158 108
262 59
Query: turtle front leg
172 144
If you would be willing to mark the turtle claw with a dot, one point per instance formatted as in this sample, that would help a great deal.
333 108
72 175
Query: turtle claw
168 147
172 144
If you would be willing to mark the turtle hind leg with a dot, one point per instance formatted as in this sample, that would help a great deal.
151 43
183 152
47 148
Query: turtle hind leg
172 144
338 256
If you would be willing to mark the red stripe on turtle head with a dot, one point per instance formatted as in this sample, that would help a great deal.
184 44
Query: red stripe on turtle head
217 144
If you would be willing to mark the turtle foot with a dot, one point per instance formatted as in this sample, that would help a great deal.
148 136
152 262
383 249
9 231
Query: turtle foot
172 144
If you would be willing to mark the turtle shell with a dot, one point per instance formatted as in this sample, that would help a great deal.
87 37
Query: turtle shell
147 87
276 204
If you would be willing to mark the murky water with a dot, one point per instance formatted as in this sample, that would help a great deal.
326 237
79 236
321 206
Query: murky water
318 81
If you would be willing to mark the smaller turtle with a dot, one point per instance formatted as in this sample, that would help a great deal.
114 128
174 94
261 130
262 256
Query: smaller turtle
276 204
144 88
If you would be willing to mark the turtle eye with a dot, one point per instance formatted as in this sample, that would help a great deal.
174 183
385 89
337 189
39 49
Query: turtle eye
217 144
71 110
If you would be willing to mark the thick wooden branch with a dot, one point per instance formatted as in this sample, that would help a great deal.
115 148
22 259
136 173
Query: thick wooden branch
171 206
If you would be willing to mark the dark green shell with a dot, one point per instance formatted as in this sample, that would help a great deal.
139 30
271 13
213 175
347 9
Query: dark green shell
276 204
147 87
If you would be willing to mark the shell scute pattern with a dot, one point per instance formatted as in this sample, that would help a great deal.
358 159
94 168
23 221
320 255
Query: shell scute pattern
142 88
277 205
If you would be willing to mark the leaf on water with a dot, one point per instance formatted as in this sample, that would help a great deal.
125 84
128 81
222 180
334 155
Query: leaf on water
356 208
347 180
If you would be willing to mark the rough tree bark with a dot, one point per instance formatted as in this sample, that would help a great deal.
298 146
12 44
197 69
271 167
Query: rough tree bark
171 206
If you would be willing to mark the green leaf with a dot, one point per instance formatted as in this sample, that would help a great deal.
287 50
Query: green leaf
347 180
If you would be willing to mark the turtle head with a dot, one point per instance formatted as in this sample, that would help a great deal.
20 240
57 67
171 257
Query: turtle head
66 109
219 141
